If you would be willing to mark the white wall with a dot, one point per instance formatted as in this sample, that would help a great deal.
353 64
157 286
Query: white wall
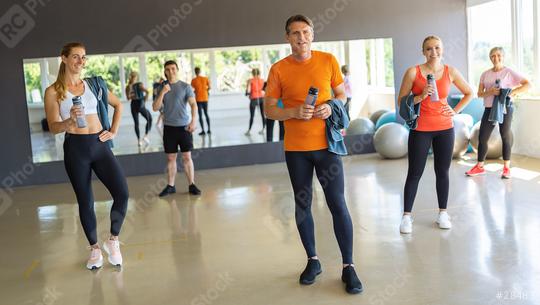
526 129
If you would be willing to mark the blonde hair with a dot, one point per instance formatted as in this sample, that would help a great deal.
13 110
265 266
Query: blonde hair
430 37
495 49
132 76
60 84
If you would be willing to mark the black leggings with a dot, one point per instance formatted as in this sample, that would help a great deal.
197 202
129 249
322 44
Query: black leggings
270 130
419 144
137 106
252 105
203 107
486 128
82 154
329 169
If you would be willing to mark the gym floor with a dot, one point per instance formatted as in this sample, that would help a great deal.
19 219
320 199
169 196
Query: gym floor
238 244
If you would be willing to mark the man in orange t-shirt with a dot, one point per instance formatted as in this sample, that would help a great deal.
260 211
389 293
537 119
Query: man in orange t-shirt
201 86
306 145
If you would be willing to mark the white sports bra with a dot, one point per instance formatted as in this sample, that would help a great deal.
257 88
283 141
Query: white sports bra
88 100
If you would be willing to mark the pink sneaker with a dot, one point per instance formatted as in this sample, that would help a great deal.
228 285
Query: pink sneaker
95 261
112 247
475 171
506 173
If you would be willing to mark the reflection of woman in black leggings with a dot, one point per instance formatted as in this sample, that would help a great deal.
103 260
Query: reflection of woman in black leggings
138 94
488 89
270 124
88 148
254 90
435 127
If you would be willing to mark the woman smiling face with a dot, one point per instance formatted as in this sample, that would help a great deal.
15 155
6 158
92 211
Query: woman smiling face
497 57
76 60
432 48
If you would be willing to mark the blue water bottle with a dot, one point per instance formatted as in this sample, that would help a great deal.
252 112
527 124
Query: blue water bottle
81 119
311 98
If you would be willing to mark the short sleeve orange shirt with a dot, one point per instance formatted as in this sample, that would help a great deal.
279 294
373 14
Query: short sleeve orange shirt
290 80
200 85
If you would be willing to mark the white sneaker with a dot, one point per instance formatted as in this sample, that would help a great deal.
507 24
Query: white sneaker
112 247
146 139
95 261
444 220
406 224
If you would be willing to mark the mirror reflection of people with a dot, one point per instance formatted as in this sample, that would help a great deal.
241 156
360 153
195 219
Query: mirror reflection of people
306 144
178 126
137 93
511 83
254 89
435 127
201 86
88 149
348 86
270 124
156 86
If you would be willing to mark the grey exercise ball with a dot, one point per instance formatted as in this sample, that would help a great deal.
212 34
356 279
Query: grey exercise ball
361 126
466 118
374 117
391 141
462 136
494 141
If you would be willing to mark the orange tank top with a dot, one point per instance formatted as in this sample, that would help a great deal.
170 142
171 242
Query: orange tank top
256 84
432 117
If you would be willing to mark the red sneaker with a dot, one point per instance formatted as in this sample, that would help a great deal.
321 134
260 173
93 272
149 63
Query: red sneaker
475 171
506 173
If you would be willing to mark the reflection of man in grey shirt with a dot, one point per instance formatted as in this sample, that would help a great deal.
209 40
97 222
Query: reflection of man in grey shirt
178 127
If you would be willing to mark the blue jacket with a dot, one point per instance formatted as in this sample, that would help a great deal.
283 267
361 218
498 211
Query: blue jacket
337 121
498 110
99 89
409 111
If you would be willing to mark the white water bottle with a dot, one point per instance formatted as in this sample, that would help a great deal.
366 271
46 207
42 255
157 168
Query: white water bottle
81 119
431 81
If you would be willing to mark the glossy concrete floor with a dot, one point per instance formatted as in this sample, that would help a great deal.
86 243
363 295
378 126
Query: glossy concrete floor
237 243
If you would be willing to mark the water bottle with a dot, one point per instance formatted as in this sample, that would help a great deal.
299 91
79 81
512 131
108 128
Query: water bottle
435 94
81 119
313 93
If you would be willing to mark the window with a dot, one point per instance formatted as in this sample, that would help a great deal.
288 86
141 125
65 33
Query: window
516 30
485 34
527 45
107 67
32 80
233 68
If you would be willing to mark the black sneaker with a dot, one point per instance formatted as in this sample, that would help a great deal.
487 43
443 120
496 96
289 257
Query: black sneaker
202 133
352 283
313 268
193 190
167 190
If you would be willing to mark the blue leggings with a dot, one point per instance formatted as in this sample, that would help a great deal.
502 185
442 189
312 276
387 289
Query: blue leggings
329 170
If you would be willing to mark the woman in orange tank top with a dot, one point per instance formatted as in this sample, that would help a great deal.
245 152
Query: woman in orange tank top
255 92
435 126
